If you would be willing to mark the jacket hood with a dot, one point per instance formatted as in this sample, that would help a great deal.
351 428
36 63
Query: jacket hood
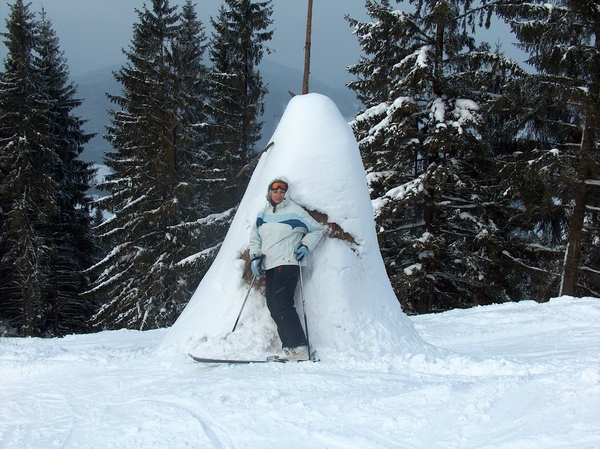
279 178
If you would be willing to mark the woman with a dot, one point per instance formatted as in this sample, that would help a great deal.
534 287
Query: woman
282 236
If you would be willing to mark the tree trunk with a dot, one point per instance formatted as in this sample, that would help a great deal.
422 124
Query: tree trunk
573 255
570 273
307 48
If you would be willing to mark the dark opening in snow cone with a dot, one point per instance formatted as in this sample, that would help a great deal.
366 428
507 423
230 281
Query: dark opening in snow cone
351 309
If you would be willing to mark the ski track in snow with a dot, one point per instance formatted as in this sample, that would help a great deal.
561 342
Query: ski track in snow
520 375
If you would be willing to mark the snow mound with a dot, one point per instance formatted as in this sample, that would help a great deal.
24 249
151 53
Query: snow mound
350 305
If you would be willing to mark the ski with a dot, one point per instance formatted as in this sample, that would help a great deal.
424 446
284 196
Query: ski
270 359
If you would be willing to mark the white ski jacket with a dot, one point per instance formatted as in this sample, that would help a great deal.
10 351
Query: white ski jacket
279 229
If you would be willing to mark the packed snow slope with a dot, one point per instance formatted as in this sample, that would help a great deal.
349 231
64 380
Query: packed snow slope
351 308
518 375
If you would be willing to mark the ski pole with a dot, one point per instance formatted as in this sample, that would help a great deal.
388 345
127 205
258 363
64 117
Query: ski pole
304 311
244 303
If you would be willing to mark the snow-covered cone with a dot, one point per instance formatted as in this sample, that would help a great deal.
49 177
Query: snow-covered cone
351 308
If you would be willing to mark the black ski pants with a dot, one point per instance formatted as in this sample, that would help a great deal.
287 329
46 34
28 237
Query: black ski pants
280 285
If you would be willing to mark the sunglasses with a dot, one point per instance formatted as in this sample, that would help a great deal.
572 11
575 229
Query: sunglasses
279 185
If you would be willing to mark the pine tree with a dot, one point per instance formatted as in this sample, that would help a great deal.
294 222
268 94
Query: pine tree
425 86
71 242
45 226
558 109
200 237
25 206
156 195
237 48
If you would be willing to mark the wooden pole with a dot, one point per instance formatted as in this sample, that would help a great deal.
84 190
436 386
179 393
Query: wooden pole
307 48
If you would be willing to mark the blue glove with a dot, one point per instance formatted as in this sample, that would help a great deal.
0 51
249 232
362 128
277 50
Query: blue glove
300 252
256 265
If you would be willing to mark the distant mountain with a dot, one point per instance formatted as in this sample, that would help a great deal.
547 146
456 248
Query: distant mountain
282 80
92 88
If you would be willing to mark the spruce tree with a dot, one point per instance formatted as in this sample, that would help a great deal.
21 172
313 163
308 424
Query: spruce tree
237 96
557 112
200 236
28 193
156 196
45 225
425 86
71 243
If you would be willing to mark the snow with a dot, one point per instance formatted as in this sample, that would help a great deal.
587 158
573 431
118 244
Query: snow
398 193
351 308
516 375
438 111
422 58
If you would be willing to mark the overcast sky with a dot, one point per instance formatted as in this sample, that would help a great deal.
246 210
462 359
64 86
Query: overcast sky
93 32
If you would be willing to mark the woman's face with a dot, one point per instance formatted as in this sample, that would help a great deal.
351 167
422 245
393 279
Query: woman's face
277 191
277 195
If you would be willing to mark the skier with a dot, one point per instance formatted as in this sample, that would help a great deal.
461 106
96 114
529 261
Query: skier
281 237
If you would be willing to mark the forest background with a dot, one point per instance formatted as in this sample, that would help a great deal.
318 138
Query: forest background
483 174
